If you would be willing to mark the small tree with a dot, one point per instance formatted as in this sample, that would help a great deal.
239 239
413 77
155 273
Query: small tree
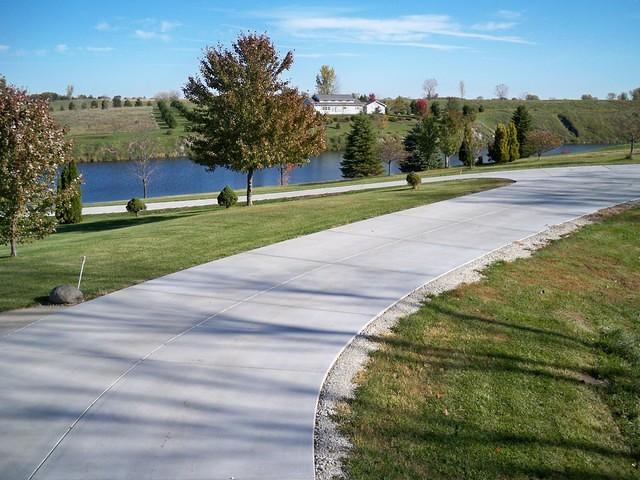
326 80
104 104
502 91
69 92
422 144
414 180
94 103
512 139
450 134
142 153
471 146
421 106
429 87
245 117
227 197
69 204
391 149
360 156
32 147
462 88
499 150
138 102
127 103
135 206
117 101
541 141
523 123
72 106
632 131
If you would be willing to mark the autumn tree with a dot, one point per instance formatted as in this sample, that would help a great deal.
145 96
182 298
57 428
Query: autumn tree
421 106
326 80
360 158
245 117
391 149
450 133
429 87
523 122
502 91
422 145
541 141
32 148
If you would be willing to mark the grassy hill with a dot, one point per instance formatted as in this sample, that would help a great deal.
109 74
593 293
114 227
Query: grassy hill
103 135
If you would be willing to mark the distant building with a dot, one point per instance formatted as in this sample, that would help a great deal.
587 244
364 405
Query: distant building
375 107
337 104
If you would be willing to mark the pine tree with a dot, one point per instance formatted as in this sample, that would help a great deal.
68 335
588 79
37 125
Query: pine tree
69 210
523 122
422 145
360 157
499 151
466 154
512 141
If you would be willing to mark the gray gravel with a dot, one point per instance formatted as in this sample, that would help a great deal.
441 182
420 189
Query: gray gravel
339 387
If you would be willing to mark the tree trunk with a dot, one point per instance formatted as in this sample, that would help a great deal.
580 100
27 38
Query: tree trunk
250 187
446 161
144 188
633 141
389 166
281 175
14 247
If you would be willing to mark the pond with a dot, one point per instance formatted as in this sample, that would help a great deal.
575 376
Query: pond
109 181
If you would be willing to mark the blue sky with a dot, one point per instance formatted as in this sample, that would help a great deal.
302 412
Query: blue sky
554 48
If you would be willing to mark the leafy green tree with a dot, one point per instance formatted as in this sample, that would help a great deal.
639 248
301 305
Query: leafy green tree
117 101
523 123
512 140
450 134
422 145
246 118
32 147
470 147
326 80
499 150
227 197
69 206
360 156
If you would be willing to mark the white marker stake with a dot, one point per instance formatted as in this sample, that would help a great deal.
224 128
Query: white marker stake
84 259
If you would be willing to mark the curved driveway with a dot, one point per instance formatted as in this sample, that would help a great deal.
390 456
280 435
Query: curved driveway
214 372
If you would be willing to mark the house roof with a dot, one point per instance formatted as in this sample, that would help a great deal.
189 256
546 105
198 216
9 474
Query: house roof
377 101
341 99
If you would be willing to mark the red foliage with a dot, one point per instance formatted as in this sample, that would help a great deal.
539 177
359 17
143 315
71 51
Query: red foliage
372 97
422 106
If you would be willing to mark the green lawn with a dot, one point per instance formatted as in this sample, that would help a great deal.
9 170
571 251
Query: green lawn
123 250
608 156
532 373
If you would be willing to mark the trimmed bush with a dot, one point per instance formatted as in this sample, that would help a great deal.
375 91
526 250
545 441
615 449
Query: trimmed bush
227 197
135 205
414 180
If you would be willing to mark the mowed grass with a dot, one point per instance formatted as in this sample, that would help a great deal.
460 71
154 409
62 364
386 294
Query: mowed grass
532 373
123 250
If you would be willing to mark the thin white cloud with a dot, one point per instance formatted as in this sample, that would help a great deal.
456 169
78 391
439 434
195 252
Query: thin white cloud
148 35
411 30
99 49
167 26
493 26
40 52
103 26
61 48
509 14
4 48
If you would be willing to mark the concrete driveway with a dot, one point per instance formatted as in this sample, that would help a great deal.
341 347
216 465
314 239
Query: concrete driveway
214 372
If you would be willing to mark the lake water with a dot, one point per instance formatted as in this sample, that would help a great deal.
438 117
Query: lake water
108 181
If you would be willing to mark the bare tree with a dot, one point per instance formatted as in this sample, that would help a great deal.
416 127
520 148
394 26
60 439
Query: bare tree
69 91
429 87
462 88
502 91
142 153
391 149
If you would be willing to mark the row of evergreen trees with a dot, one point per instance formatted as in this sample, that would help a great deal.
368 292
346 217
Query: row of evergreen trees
437 136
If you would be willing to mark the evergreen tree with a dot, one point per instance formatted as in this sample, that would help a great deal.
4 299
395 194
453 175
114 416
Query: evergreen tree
466 154
422 145
361 156
499 150
512 141
69 209
523 123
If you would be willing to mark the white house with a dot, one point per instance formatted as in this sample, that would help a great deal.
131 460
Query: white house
375 107
336 104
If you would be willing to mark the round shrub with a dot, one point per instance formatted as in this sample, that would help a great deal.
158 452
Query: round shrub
227 197
135 205
414 180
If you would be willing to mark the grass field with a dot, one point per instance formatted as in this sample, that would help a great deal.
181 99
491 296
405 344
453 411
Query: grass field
101 135
123 250
608 156
532 373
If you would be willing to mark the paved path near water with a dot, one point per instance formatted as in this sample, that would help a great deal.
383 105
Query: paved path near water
214 372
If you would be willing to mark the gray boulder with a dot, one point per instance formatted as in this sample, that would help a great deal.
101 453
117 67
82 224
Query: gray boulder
65 294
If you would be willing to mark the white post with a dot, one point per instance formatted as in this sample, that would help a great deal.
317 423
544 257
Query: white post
84 258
